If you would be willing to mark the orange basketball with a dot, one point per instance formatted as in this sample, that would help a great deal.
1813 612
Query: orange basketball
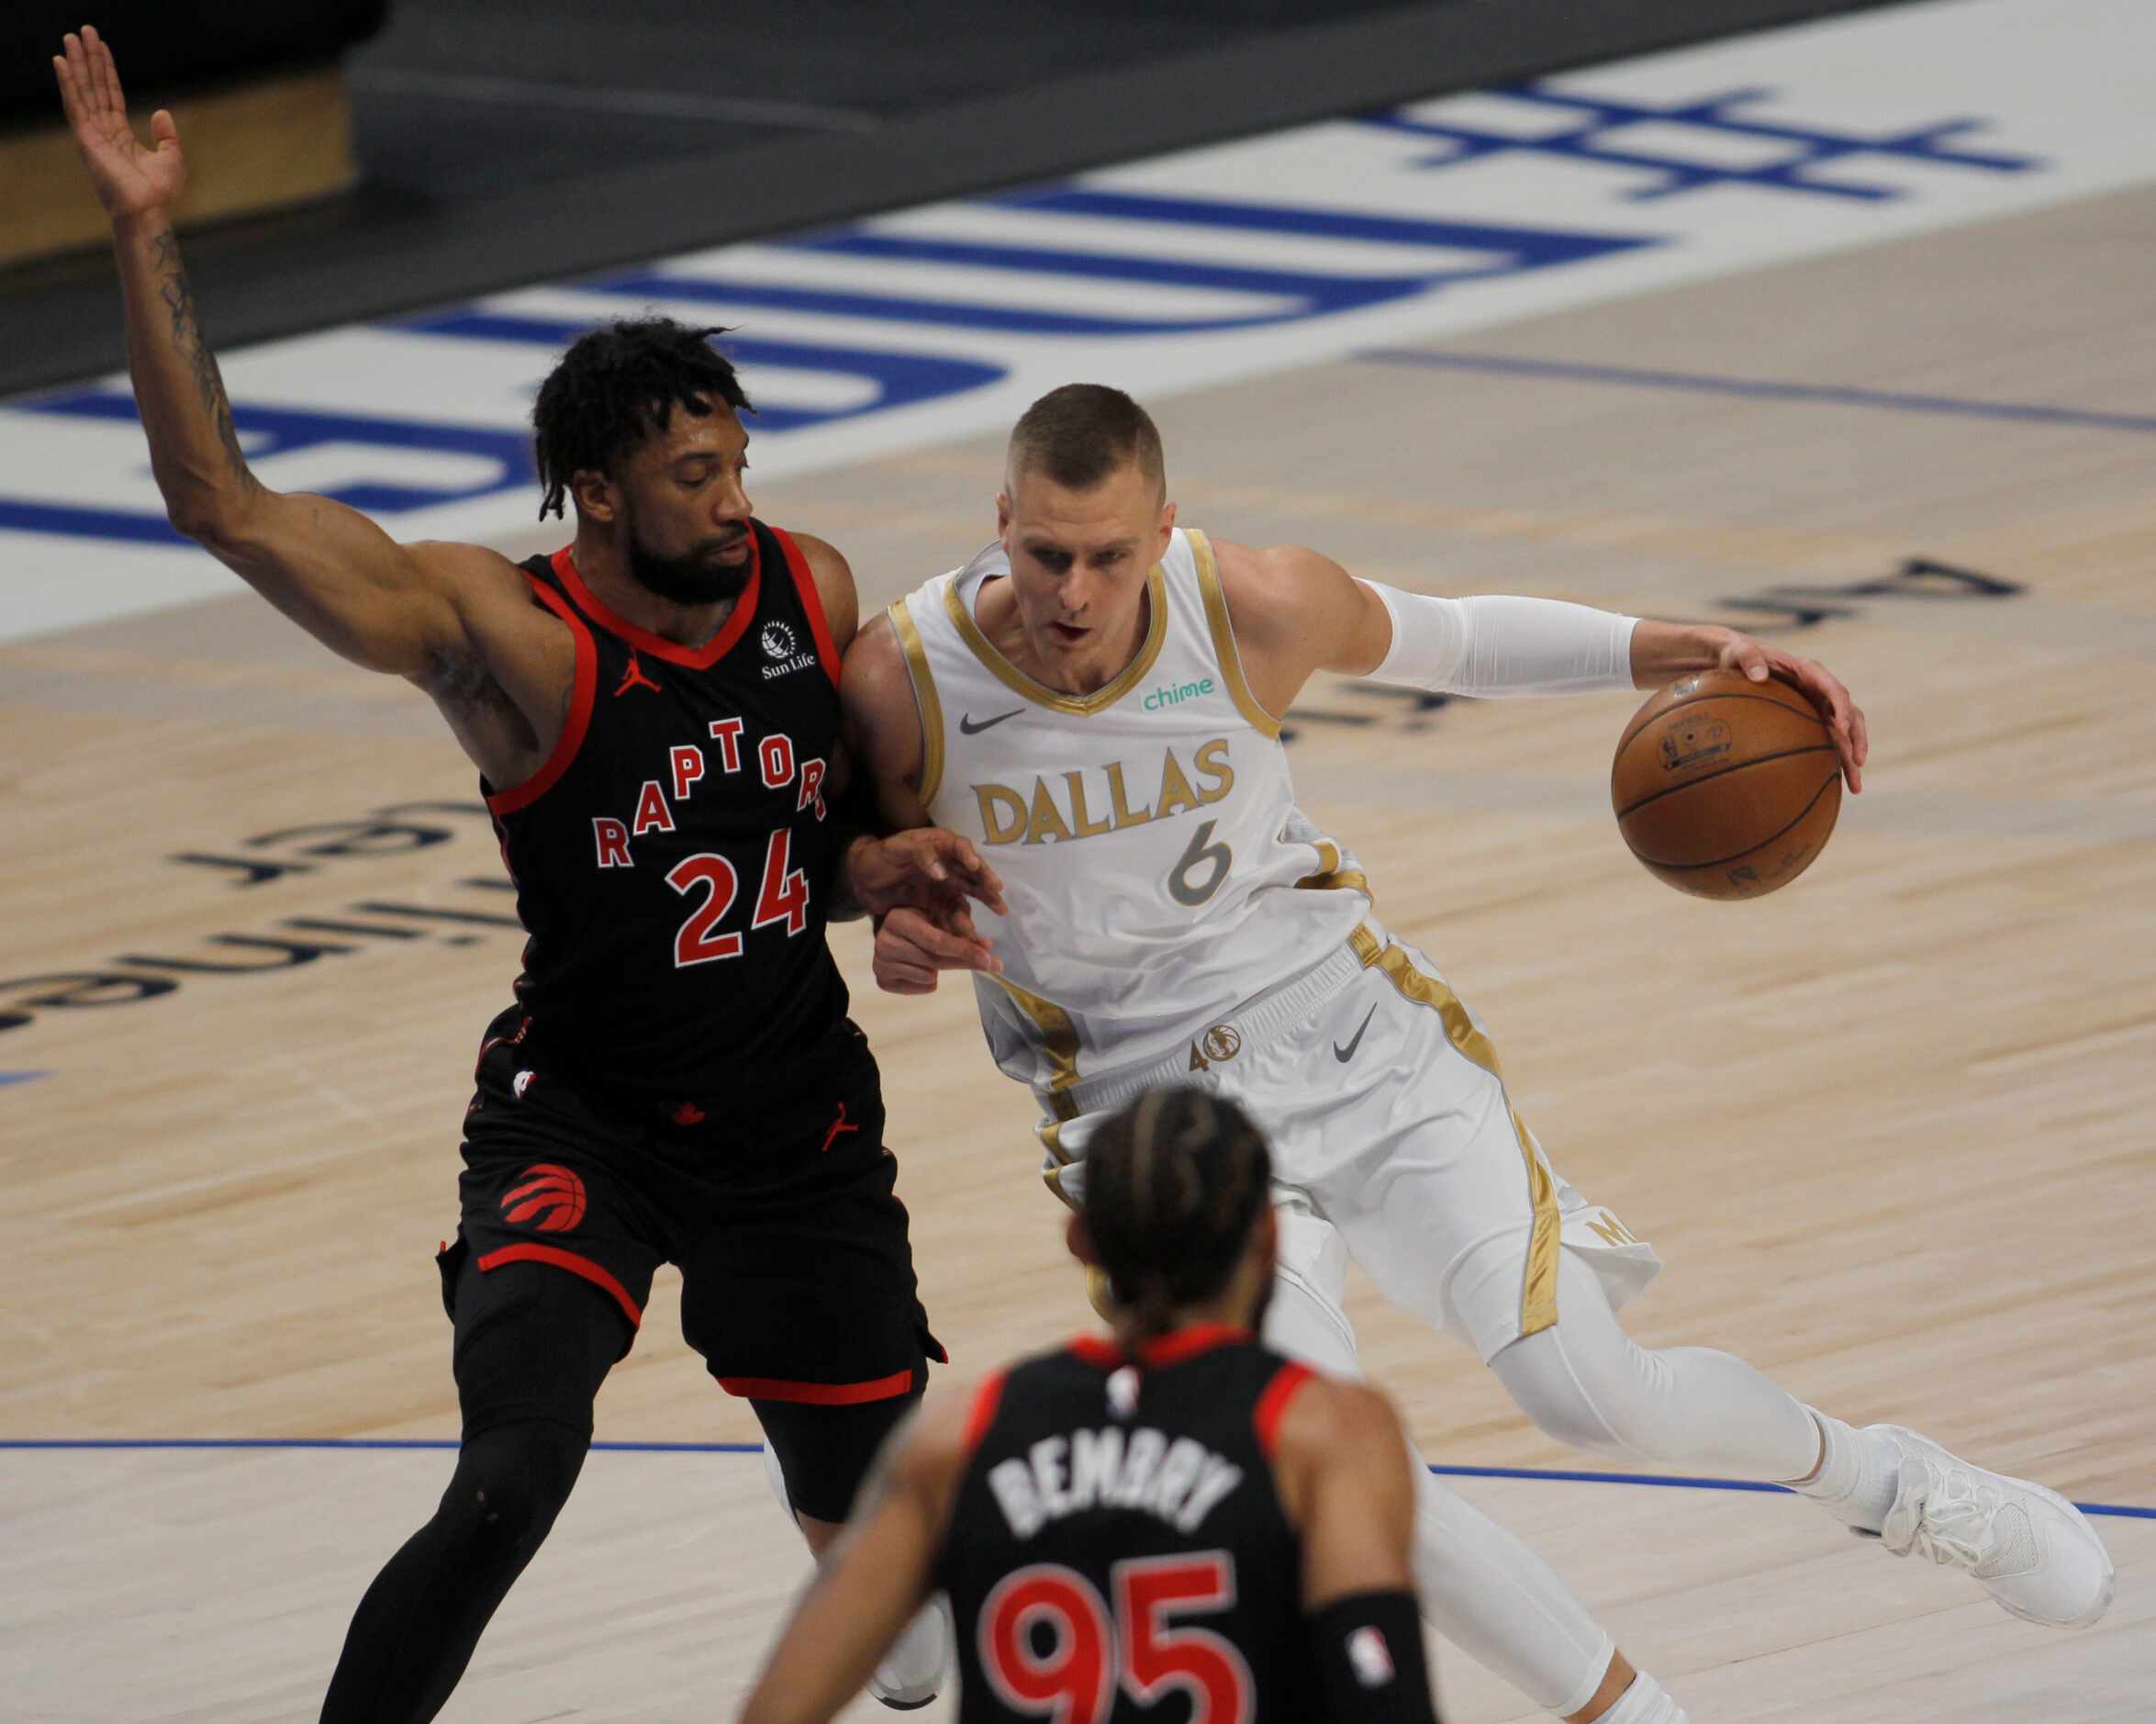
1726 788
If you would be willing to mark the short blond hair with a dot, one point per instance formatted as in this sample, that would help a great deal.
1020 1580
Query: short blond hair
1081 433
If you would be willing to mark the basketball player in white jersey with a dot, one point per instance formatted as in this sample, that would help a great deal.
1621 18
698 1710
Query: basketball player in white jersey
1095 701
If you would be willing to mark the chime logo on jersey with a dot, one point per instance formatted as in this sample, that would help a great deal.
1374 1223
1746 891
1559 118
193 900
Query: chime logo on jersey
1166 696
551 1193
1088 802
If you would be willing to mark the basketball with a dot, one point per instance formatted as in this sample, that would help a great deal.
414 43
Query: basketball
1726 788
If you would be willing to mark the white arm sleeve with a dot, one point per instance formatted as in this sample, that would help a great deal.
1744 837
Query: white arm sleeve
1497 645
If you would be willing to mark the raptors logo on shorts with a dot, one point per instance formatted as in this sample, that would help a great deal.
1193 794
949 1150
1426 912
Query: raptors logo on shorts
549 1192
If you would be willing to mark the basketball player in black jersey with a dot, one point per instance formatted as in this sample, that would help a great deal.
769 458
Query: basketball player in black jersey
654 713
1176 1523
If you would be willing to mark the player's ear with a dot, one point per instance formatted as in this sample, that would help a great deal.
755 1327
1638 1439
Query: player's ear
1003 514
595 495
1080 1240
1167 525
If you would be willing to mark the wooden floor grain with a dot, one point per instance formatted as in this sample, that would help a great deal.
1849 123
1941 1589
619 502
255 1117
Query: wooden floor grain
1889 1128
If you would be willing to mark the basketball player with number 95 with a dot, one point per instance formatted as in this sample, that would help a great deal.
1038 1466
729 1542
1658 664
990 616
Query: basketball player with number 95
1176 1521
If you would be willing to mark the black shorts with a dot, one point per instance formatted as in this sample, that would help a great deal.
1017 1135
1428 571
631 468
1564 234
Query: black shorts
797 1276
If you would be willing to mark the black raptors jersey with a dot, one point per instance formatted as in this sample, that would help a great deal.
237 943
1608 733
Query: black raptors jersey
674 857
1117 1549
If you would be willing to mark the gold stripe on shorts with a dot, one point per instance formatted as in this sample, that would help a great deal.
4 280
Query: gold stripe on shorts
1538 1285
1058 1043
1053 1179
1332 878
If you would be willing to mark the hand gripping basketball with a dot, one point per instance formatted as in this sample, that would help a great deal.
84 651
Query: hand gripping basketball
1726 786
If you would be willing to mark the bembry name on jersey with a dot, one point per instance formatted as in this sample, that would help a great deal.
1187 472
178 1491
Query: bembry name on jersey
1181 1481
687 763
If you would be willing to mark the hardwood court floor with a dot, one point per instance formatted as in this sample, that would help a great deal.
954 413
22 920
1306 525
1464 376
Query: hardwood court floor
1887 1128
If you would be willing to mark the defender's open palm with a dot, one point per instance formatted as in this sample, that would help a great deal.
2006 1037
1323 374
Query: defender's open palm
130 180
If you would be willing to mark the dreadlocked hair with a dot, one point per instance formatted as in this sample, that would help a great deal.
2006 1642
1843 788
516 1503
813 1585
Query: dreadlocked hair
1173 1185
617 385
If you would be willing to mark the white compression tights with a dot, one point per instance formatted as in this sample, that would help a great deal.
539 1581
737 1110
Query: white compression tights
1480 1588
1588 1384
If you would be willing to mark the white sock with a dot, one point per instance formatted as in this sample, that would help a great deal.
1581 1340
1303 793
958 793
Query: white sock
1502 1605
1645 1703
912 1671
1858 1477
775 1476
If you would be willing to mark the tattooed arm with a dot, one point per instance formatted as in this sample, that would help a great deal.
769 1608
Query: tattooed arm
457 619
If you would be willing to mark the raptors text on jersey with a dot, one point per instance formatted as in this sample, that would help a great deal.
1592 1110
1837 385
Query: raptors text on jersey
674 857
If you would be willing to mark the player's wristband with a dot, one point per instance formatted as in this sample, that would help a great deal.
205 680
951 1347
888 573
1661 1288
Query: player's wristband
1369 1649
1496 644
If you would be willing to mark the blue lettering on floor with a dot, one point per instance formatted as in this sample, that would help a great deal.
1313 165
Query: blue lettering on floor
1602 121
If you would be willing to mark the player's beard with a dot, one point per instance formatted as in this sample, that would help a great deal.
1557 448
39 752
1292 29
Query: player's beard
693 579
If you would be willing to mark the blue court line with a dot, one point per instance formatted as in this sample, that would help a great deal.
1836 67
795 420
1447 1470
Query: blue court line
20 1077
1544 1475
1762 389
343 1442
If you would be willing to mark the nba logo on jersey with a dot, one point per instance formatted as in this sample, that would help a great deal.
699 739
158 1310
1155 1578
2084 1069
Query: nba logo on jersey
1122 1392
521 1083
1371 1657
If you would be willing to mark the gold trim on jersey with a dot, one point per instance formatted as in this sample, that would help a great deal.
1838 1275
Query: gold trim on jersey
1053 1179
1058 1042
1051 1136
1224 639
1538 1283
1082 705
1331 878
924 696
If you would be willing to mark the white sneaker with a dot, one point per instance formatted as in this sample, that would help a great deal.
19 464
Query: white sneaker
2035 1552
912 1671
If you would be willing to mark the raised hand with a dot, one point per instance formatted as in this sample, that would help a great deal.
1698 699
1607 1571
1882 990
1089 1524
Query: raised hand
129 180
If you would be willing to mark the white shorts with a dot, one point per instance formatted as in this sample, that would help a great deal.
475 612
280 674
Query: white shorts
1392 1132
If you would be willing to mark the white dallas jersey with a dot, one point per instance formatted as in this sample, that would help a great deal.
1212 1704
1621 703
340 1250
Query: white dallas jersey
1157 870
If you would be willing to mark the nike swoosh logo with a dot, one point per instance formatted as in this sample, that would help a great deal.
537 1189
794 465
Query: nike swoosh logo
1345 1054
969 727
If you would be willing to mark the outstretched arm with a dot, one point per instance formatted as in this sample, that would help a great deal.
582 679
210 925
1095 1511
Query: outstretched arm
1297 611
388 607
